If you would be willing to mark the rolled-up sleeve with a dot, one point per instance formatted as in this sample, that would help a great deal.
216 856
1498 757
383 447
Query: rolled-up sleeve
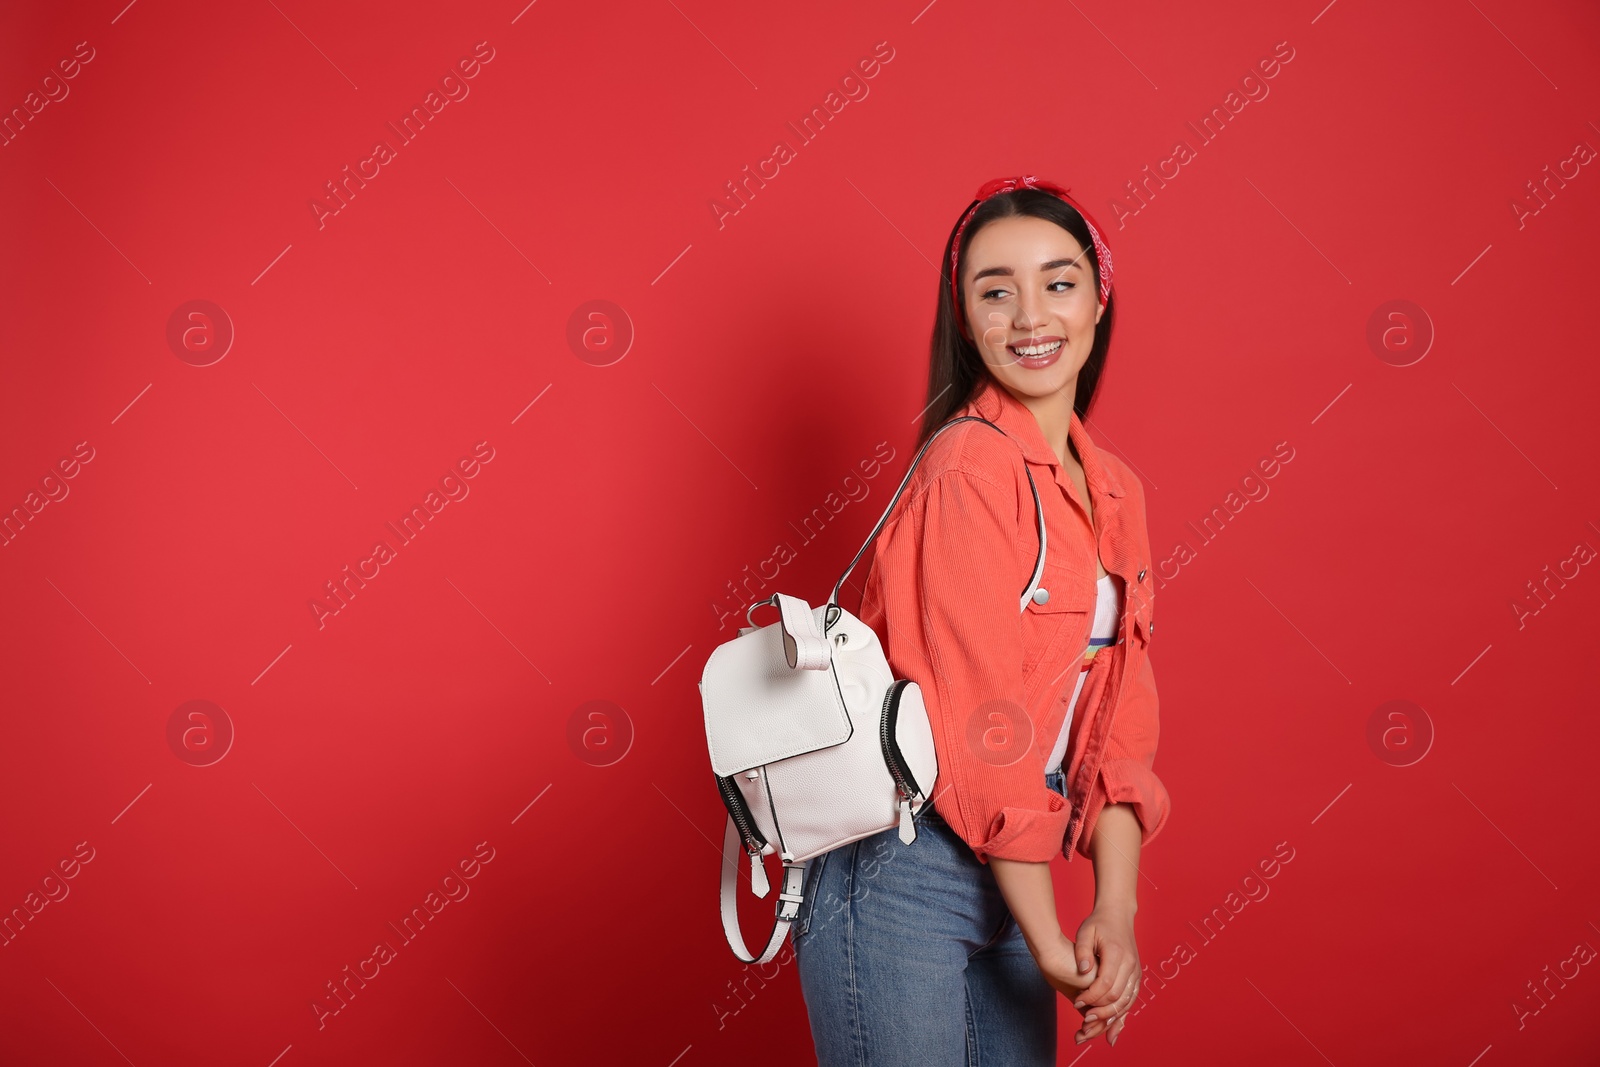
952 581
1127 774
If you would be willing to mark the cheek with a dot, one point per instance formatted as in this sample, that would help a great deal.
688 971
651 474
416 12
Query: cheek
992 329
1081 320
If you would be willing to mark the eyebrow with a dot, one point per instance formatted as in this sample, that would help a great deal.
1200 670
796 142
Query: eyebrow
1054 264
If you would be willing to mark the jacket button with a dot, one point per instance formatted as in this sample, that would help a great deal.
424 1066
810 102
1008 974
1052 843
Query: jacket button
1141 576
1041 595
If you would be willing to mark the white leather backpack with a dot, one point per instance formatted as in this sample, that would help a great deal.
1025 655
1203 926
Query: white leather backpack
813 741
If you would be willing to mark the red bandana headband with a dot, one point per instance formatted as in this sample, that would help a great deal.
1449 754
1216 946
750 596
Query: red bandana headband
1005 185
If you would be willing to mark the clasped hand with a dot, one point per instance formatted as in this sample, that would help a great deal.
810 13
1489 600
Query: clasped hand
1099 973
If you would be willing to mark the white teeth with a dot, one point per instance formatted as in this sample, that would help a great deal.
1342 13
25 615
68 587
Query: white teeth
1035 350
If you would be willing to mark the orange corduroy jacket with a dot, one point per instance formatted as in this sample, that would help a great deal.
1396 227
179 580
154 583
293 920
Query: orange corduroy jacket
943 592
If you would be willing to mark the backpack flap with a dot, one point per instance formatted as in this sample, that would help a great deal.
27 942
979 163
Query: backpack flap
759 708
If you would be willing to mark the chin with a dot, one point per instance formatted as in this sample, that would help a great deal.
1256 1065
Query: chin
1034 383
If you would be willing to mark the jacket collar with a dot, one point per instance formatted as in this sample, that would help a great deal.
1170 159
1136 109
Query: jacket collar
995 403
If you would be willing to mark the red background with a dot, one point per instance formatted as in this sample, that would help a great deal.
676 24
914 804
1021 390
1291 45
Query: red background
769 356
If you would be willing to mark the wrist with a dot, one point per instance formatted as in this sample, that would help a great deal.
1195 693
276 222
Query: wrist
1046 945
1122 908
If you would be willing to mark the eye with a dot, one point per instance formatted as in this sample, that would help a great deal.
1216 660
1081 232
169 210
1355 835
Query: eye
1069 285
988 293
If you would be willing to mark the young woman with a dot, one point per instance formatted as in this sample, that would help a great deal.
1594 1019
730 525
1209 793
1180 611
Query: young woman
949 951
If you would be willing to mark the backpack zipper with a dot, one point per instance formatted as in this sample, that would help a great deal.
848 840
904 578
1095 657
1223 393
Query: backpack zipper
904 782
754 842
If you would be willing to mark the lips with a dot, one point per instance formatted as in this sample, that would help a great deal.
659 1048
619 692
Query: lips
1037 353
1033 345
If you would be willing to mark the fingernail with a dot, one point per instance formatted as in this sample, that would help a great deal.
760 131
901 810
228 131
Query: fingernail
1112 1039
1078 1004
1078 1038
1084 966
1089 1018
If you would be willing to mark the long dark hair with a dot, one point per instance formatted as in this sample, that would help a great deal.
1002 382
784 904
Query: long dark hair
955 368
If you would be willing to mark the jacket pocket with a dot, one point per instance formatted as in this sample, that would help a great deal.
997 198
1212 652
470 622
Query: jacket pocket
1050 628
1064 590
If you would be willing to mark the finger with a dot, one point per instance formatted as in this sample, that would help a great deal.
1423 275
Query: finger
1118 1009
1095 1020
1090 1031
1084 950
1098 993
1130 990
1123 981
1085 979
1080 988
1112 961
1119 1019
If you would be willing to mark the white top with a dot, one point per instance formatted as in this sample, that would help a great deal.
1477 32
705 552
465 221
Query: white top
1107 613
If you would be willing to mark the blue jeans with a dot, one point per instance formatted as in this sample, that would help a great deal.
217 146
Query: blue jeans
909 956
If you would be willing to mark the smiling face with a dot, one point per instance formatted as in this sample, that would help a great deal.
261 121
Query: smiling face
1030 300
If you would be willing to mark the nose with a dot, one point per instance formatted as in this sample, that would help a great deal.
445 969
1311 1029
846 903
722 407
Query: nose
1029 310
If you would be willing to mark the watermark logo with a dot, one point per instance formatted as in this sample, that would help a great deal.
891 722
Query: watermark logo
1253 488
1544 989
340 192
52 889
199 732
453 888
752 583
599 732
739 192
1543 189
599 332
1400 733
1252 889
1551 582
999 732
199 332
52 90
1399 332
340 592
52 490
1253 89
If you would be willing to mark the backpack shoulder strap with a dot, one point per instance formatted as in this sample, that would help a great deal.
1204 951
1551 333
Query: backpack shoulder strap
1038 566
790 897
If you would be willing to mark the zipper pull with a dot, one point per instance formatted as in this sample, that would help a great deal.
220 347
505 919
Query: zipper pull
758 876
908 831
